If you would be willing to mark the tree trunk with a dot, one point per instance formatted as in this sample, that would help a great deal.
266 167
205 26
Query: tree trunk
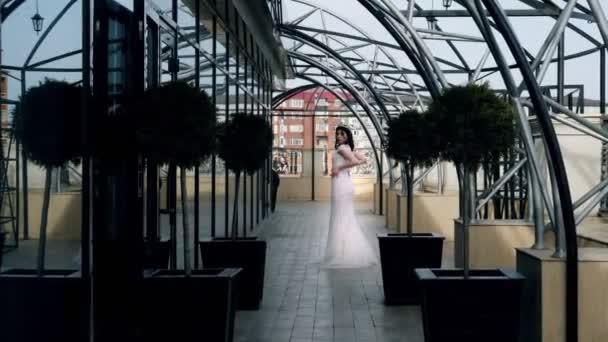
409 175
43 220
187 265
235 208
462 189
465 222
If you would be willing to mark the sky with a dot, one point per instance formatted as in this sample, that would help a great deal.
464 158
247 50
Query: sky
18 38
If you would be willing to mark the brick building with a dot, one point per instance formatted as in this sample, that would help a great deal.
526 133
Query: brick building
293 130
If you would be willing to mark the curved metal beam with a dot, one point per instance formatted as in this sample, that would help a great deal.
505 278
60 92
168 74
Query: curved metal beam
46 32
299 36
414 58
366 107
284 96
367 36
558 169
422 48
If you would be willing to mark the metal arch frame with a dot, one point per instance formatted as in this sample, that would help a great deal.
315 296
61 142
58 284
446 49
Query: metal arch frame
460 70
284 96
480 68
400 34
316 83
7 9
394 32
423 50
290 33
366 107
419 64
380 45
277 100
518 102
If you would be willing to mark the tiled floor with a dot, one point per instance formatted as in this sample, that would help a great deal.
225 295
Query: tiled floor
303 302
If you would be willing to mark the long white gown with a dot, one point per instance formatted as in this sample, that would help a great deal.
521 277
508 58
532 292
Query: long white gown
347 245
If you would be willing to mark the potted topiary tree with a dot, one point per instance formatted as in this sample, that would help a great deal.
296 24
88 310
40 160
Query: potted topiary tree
244 143
47 125
412 142
475 126
175 124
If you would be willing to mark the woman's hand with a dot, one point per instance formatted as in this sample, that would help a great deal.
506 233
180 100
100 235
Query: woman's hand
335 171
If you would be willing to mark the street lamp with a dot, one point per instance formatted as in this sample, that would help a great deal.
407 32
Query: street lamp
37 20
432 21
447 3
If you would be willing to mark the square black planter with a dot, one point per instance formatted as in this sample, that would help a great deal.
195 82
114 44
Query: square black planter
246 253
48 308
2 242
196 308
483 307
157 254
400 254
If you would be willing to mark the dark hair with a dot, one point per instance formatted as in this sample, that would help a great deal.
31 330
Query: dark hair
349 136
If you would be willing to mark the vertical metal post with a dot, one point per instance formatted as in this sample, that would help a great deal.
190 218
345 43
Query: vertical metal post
172 176
251 192
268 171
537 210
214 101
237 48
312 153
561 52
604 124
603 81
227 108
25 190
258 96
381 181
85 229
197 84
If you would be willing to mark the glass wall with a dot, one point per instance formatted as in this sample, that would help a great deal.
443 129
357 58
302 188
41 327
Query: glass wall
205 43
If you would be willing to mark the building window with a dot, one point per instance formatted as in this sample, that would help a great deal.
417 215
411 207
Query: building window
297 141
322 142
321 127
322 102
296 128
282 141
297 103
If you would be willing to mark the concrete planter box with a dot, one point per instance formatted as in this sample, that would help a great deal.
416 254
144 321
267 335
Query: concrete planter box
492 243
544 319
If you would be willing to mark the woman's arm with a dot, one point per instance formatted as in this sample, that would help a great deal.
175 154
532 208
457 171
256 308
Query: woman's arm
361 156
350 158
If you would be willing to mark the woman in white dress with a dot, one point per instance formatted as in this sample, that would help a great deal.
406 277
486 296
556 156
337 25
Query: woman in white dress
347 245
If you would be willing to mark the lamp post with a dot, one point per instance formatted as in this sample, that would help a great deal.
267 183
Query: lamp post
37 20
447 3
